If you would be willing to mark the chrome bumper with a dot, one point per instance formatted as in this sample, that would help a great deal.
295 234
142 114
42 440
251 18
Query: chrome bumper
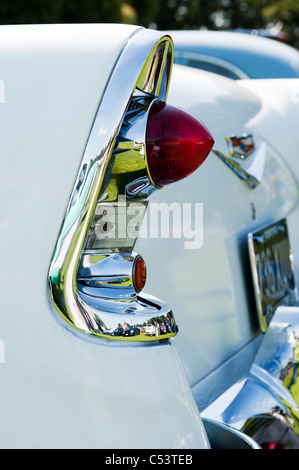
265 404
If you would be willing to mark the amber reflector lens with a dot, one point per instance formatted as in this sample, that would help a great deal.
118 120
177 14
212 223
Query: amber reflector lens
176 143
139 274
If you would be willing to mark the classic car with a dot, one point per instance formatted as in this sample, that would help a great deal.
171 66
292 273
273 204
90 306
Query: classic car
117 332
235 55
150 330
94 146
132 331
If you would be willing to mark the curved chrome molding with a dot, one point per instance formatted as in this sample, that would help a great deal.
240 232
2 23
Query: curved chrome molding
249 167
143 70
266 407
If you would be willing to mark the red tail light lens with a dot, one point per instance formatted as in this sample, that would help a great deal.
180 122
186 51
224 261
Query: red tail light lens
139 273
176 143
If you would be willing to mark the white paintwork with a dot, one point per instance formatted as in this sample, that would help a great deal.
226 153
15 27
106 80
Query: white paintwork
57 389
209 288
281 99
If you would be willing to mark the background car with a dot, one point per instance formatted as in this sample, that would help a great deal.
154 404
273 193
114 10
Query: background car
235 55
150 330
118 332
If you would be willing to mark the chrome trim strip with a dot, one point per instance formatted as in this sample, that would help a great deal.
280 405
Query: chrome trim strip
249 170
250 180
137 68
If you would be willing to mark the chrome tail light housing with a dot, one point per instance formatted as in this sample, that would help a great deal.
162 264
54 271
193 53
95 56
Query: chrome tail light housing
96 279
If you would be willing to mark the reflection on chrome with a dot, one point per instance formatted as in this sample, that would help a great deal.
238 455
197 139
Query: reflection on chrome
267 406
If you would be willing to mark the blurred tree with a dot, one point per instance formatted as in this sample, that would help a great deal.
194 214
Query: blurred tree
194 14
233 14
162 14
146 11
279 12
60 11
179 14
228 14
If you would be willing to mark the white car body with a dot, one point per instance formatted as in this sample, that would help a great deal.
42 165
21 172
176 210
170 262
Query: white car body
62 387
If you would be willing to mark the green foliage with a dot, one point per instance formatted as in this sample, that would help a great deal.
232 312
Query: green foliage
162 14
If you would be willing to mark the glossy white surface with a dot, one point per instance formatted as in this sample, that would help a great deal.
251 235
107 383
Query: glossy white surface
58 390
